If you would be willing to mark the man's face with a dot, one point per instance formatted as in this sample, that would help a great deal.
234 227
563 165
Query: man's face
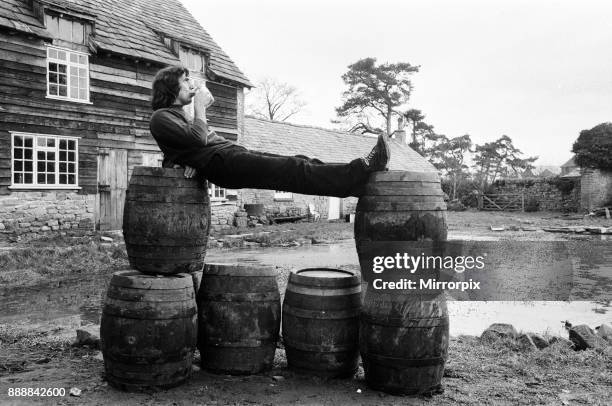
186 91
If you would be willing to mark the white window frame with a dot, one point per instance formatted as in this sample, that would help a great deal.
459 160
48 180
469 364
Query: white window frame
35 150
281 195
212 189
69 64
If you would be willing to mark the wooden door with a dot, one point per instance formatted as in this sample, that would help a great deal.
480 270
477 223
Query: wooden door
112 185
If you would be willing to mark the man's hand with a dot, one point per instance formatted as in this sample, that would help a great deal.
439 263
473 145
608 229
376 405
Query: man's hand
189 171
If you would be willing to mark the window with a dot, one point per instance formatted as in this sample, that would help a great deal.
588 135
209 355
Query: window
280 195
216 192
65 29
45 161
67 75
192 59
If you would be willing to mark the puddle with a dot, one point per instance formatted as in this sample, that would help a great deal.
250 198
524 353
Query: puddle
71 303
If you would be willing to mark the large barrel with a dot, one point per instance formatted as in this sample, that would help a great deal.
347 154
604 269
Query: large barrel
404 333
166 221
148 330
239 318
403 342
321 322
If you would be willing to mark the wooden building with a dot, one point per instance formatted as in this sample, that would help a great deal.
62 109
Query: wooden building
75 80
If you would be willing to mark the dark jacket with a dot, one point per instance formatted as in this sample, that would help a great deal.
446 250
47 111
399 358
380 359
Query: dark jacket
184 143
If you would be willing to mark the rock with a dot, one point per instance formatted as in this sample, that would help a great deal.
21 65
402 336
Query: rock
98 356
499 330
84 337
278 378
195 368
605 331
584 337
564 341
538 340
525 343
75 392
106 239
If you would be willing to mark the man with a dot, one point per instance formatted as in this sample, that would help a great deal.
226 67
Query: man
229 165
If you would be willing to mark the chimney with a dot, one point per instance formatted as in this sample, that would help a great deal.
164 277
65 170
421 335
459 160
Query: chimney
400 134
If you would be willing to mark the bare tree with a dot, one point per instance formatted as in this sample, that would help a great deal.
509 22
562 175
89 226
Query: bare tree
274 100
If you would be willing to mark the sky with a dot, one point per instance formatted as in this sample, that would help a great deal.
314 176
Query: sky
539 71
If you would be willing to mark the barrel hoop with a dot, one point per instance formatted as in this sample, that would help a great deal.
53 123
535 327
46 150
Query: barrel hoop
423 322
120 311
321 314
239 270
251 343
271 296
148 295
320 348
323 292
350 278
395 362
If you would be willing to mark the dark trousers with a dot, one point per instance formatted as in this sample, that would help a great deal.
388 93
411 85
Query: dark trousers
235 167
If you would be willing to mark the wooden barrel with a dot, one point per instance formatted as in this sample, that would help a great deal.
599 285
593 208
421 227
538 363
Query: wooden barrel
321 322
403 342
239 318
166 221
148 330
404 333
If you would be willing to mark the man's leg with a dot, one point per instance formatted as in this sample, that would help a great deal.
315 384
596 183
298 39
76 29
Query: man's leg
235 168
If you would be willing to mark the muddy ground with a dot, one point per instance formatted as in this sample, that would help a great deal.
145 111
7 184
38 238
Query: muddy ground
41 354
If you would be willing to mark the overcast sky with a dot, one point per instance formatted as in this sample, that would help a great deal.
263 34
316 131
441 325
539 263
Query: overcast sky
537 71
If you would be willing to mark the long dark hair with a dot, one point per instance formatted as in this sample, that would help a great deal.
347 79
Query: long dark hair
166 86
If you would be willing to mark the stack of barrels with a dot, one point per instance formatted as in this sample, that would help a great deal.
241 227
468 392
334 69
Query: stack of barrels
403 333
149 320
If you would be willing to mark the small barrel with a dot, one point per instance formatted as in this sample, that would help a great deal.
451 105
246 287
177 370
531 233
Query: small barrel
403 342
239 318
321 322
148 330
166 221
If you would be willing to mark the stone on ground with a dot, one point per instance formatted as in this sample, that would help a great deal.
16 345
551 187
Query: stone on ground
605 331
525 343
499 330
538 340
584 337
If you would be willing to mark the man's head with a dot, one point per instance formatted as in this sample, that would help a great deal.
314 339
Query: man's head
172 86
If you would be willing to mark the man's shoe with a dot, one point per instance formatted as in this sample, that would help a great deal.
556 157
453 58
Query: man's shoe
378 158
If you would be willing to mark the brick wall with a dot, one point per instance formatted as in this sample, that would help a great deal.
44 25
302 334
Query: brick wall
546 192
596 188
31 215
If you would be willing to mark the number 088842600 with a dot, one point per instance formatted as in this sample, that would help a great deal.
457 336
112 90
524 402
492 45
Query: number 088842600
39 392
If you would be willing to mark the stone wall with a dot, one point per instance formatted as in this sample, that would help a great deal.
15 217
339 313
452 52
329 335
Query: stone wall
30 215
552 194
279 207
222 214
596 188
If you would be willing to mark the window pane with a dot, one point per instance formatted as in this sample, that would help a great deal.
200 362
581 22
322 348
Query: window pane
62 56
82 59
52 77
71 168
41 141
62 167
18 178
51 142
53 89
41 155
50 166
27 178
41 179
18 166
61 68
27 166
63 91
71 145
71 179
62 144
52 67
83 94
29 141
74 92
52 53
40 166
82 82
27 154
18 153
51 179
74 58
62 79
74 71
77 32
71 156
62 155
82 72
63 179
18 141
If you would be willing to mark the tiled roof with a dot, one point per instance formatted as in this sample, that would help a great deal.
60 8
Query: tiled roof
127 27
327 145
569 163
